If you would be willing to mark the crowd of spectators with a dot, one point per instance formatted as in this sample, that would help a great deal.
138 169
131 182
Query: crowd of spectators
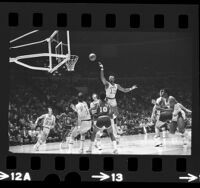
29 98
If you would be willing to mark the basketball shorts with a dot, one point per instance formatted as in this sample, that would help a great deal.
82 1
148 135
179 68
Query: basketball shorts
84 128
103 122
113 104
165 116
44 133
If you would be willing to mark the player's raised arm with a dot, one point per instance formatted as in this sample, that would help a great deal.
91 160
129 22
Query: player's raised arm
105 82
126 90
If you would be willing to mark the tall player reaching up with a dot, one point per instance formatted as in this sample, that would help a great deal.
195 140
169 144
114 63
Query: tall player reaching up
111 89
48 124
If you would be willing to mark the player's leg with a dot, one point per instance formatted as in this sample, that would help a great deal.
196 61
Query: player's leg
65 138
145 129
42 138
181 127
74 133
92 139
84 128
113 139
162 120
39 141
97 141
115 123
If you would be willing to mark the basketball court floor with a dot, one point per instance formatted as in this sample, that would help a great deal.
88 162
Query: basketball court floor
142 144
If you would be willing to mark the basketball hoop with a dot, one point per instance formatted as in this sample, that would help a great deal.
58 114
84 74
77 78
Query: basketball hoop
70 64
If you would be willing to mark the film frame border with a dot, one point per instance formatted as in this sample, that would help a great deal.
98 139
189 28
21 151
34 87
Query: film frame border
74 15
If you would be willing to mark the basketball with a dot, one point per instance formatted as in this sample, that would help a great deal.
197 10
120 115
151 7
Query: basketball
92 57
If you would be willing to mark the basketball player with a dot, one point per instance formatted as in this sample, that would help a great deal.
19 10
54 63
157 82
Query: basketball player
175 113
93 111
159 103
48 124
178 116
111 89
84 122
104 116
67 128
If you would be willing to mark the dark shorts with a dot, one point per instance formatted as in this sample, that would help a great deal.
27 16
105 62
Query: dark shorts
179 125
104 121
165 116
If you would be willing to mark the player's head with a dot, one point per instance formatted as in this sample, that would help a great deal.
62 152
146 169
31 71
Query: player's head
50 111
161 93
166 93
80 97
94 96
111 79
102 96
74 100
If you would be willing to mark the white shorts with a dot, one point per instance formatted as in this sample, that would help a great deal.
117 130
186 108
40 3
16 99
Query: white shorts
46 131
112 102
44 134
84 128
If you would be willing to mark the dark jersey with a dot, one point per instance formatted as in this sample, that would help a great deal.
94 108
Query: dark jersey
104 115
103 109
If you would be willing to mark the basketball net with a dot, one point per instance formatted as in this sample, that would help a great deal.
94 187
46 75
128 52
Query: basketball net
70 64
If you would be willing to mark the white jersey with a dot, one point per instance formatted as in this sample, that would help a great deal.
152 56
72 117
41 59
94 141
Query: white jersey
111 91
161 102
83 111
48 120
92 105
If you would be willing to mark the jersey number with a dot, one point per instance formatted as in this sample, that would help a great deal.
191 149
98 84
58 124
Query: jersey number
112 90
103 109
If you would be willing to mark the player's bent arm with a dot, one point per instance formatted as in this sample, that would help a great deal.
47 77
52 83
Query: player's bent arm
126 90
39 118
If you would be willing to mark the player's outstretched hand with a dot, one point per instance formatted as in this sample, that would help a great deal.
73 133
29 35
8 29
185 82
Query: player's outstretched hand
100 65
134 87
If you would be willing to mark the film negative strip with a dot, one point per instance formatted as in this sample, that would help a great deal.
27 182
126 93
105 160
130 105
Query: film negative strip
99 92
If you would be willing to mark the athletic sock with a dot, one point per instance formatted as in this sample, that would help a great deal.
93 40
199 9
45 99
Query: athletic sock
114 144
82 145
